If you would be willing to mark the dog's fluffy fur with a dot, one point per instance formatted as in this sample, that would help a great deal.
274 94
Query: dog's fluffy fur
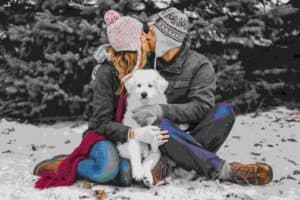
144 87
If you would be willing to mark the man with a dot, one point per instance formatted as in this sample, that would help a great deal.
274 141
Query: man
192 83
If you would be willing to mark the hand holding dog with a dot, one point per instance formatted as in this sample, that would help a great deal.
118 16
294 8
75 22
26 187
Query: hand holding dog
147 115
152 135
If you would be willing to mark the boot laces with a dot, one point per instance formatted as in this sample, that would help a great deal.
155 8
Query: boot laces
241 175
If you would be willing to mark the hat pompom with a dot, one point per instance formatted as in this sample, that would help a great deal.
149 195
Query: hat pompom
111 16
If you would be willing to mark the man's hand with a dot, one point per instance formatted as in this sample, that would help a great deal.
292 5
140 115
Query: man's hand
147 115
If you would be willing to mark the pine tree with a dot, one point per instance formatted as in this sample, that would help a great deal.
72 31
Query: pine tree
47 46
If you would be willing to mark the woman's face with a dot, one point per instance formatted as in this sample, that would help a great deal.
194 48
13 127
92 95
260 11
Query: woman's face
148 40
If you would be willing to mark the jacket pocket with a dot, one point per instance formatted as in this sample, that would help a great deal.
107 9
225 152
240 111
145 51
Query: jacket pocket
179 84
177 90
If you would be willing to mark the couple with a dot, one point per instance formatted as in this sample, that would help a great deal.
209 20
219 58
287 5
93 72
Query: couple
159 44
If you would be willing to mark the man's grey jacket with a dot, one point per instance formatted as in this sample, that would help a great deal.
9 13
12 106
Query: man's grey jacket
190 94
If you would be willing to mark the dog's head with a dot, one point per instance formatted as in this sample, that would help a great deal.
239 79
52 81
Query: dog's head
146 84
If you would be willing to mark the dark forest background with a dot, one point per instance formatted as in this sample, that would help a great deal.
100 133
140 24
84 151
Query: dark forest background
47 47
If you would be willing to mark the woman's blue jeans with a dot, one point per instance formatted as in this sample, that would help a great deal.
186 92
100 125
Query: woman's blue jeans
196 150
104 165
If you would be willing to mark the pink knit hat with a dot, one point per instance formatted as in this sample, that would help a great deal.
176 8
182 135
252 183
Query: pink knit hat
124 33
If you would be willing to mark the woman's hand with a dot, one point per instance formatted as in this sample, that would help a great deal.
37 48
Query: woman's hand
152 135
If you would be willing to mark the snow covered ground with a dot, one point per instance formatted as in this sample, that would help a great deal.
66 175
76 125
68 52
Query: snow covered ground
270 137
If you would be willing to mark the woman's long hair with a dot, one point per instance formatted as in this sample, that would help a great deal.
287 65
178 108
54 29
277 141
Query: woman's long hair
124 63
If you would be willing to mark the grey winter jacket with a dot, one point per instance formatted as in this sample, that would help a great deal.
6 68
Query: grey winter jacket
190 94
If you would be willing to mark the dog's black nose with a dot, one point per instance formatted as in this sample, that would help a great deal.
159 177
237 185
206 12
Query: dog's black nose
144 95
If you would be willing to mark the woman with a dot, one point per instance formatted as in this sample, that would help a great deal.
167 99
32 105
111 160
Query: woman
126 36
130 46
129 52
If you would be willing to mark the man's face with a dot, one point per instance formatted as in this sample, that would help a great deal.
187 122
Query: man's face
150 37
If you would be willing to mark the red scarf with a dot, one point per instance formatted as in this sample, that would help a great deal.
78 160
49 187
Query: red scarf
66 171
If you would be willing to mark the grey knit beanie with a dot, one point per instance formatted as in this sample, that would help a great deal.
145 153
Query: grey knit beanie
173 23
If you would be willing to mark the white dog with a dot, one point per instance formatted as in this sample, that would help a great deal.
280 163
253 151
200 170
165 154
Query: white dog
144 87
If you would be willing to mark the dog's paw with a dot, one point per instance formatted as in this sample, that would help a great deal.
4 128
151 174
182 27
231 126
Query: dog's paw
138 173
148 179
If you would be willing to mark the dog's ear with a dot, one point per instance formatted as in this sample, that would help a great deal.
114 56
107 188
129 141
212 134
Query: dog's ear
161 83
129 84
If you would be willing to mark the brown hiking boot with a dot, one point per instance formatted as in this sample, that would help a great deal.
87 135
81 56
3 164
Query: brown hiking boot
49 165
255 174
161 171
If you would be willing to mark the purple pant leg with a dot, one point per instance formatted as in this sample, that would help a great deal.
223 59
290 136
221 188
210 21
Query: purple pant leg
188 153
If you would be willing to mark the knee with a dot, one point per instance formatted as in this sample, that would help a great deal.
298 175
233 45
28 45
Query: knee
224 111
166 124
102 164
102 148
107 157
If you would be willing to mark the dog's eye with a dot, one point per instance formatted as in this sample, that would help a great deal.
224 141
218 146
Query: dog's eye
139 85
150 85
